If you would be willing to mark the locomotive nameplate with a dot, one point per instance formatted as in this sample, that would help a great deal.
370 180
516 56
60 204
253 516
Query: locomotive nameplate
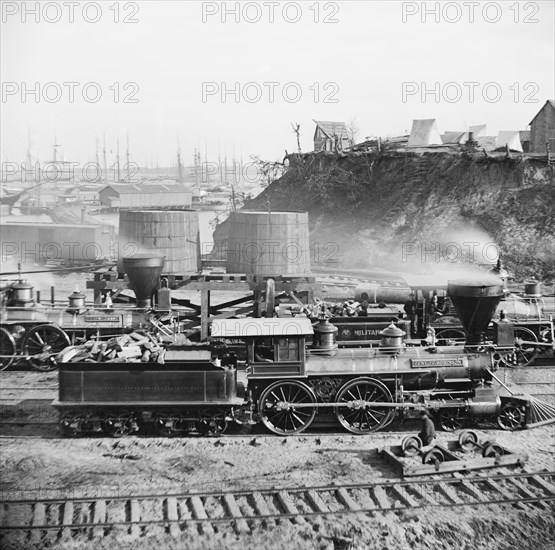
432 363
104 320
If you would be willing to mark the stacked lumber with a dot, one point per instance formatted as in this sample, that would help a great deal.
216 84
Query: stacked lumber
136 347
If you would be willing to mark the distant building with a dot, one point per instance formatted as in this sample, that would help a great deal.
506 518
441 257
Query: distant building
331 136
120 195
542 128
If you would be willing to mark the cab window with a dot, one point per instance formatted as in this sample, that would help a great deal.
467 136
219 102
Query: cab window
288 349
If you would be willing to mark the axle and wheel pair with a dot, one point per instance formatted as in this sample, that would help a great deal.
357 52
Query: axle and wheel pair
412 445
469 440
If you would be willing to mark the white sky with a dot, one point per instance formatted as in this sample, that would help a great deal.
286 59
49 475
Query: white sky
170 52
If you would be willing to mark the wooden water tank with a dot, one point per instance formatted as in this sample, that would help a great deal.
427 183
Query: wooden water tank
263 243
170 233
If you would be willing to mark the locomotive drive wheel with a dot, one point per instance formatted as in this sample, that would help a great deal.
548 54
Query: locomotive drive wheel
287 407
44 339
7 349
524 353
356 414
510 417
450 419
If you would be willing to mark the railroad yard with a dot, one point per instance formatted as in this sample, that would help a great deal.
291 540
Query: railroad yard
320 489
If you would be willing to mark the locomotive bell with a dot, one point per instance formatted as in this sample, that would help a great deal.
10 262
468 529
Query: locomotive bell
22 294
392 338
324 335
76 301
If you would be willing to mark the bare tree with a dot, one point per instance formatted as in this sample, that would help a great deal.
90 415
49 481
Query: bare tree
297 129
353 130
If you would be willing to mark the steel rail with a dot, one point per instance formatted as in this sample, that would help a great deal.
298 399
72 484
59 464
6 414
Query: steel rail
380 497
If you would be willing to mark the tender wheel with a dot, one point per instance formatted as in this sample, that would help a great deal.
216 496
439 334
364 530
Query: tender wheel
356 414
433 456
214 423
452 336
287 407
165 424
7 349
450 419
468 440
119 425
510 417
411 445
493 450
42 342
524 353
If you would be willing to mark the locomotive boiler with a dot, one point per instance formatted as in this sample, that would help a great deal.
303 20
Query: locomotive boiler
39 331
291 384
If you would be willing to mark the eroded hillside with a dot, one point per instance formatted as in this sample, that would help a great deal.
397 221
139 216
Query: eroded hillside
396 208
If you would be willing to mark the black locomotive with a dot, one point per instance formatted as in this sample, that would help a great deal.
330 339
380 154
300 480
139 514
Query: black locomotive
296 377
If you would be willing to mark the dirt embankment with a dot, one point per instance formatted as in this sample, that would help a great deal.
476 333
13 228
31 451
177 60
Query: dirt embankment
395 209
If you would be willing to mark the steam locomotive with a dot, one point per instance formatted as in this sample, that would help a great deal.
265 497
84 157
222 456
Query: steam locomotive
297 377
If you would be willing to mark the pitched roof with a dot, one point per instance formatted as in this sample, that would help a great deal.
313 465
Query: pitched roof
548 102
524 135
332 128
129 189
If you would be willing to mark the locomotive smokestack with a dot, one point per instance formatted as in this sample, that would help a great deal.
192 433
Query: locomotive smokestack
475 304
143 271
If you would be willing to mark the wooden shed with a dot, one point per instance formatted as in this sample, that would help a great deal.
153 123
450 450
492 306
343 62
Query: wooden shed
331 136
542 128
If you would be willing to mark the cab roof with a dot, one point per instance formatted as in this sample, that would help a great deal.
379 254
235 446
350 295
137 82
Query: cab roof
248 328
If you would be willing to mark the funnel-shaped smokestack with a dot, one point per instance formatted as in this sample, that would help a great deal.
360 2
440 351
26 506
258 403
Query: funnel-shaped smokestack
475 304
143 271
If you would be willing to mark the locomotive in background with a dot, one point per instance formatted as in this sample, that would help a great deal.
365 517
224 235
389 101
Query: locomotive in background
291 384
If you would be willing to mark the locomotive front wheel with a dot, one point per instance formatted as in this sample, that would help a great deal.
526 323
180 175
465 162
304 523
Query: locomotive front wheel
525 353
510 417
42 341
287 407
450 419
359 411
7 349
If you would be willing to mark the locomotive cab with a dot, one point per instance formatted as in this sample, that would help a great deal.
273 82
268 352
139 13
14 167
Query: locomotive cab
275 347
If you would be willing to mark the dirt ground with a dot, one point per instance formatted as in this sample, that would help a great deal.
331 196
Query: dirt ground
41 465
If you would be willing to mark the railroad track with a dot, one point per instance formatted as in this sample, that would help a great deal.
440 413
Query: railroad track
209 511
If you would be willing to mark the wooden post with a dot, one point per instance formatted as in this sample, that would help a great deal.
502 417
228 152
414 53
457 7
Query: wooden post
204 313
